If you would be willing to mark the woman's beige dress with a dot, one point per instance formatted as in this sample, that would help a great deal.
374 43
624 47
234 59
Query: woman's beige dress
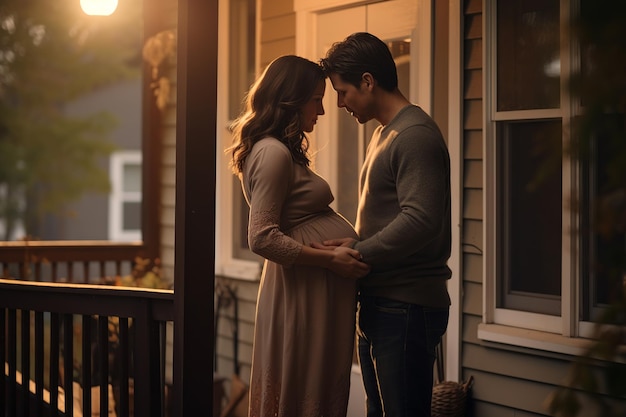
305 316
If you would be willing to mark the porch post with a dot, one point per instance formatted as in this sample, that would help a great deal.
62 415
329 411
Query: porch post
195 206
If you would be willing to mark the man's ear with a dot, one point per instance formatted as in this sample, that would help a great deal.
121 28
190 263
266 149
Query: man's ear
368 79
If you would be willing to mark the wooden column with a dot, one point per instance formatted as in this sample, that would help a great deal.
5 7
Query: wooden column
195 206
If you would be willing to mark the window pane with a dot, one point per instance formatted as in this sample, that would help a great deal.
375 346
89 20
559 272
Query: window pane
528 67
132 216
241 52
529 171
348 166
241 75
132 177
604 242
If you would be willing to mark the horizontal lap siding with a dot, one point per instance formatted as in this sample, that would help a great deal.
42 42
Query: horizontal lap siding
246 292
278 30
168 167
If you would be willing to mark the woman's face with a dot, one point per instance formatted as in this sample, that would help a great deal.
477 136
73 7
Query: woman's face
313 108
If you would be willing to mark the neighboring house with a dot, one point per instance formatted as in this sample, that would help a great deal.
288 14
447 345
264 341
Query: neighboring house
116 216
523 297
98 216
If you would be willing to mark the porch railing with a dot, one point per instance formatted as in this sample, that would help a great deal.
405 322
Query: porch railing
56 322
67 261
72 324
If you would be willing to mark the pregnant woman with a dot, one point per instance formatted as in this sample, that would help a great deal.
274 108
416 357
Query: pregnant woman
305 316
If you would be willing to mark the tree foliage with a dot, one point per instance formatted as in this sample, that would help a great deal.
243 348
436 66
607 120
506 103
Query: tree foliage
50 54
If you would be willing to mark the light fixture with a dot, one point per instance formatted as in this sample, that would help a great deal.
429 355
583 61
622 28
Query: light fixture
98 7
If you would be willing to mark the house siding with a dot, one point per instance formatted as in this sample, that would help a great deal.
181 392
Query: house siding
167 163
277 30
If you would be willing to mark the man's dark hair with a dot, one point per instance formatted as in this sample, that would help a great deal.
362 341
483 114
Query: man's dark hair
359 53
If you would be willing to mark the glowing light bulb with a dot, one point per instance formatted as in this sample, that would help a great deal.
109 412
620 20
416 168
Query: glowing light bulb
98 7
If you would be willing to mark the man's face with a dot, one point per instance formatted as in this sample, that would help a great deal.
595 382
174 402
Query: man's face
357 101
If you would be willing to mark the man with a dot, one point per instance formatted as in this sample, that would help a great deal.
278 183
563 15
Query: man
403 222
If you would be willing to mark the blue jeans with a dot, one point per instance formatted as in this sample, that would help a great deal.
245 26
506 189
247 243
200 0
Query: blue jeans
396 346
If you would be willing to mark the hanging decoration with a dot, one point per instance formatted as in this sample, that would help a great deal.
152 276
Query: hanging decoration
160 52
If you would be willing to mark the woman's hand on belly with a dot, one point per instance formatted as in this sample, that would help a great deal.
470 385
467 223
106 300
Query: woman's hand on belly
331 244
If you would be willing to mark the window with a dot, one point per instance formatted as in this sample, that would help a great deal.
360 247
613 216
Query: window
236 71
543 244
125 197
241 76
603 249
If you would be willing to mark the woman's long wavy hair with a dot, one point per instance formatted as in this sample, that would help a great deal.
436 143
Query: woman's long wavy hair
273 107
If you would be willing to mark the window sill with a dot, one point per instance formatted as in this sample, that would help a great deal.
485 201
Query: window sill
243 270
532 339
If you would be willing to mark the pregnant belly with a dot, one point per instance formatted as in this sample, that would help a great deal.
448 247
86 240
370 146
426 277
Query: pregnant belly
329 226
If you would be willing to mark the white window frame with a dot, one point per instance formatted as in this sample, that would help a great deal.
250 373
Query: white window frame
118 196
226 262
564 333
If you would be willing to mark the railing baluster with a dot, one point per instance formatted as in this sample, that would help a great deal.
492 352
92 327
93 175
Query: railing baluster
53 271
86 362
103 359
3 354
68 363
124 368
24 269
53 382
86 274
118 269
37 270
70 271
25 349
39 348
102 270
12 359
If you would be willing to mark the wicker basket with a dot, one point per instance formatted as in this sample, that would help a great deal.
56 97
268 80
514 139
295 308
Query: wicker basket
450 398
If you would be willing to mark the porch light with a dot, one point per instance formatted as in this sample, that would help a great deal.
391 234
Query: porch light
98 7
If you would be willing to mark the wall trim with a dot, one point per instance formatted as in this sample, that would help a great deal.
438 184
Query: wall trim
455 146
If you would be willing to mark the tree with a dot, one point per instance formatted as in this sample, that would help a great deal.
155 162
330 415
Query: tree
50 54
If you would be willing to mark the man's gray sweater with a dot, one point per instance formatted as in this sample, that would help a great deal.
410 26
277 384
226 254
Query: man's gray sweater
403 217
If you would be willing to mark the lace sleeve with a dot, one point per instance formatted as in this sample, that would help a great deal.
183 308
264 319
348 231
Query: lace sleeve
266 239
267 181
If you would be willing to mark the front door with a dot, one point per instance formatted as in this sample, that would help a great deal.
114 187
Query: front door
340 141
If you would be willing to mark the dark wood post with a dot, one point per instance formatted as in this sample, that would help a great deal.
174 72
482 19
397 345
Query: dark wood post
195 206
